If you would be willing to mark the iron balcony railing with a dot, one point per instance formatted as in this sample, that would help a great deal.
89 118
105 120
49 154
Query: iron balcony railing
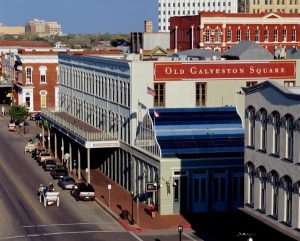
69 125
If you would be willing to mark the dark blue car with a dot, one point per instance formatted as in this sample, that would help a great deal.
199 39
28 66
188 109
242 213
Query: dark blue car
35 117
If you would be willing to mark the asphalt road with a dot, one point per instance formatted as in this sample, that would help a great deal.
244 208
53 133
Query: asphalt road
22 217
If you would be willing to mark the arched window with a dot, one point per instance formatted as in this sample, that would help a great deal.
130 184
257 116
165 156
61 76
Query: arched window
287 186
263 179
250 183
256 35
266 35
263 130
238 35
275 188
251 127
217 35
276 133
229 35
248 34
289 137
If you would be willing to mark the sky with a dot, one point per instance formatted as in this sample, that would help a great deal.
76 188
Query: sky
83 16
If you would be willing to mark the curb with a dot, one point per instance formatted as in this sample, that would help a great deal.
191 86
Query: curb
122 222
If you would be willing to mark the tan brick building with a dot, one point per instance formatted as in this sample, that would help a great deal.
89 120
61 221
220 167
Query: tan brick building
283 6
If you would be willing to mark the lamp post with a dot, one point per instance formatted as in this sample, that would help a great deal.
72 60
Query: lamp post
180 230
132 221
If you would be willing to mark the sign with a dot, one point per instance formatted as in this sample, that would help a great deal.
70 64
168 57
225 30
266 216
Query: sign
151 187
225 70
109 186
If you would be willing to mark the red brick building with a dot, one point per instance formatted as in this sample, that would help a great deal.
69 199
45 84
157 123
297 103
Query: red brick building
219 31
36 83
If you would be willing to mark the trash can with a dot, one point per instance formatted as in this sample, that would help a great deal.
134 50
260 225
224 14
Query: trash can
125 214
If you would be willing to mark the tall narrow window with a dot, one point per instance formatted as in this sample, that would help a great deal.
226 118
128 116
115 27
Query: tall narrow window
284 35
276 134
28 75
43 72
294 35
275 187
250 170
238 35
43 99
251 127
257 35
275 35
263 131
229 35
262 177
266 35
248 35
159 98
288 200
289 138
207 35
200 94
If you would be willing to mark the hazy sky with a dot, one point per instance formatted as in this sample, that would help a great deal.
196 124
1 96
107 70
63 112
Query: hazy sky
82 16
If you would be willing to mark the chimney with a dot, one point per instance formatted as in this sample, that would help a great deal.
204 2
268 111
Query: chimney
148 26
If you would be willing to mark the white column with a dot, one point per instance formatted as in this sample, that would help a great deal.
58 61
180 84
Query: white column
55 145
49 139
62 148
43 136
88 165
71 156
79 164
176 31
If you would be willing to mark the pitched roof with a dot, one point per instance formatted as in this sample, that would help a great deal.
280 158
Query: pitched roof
198 53
246 50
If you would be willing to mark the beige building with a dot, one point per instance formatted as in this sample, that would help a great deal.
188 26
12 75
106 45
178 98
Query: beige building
43 28
11 30
283 6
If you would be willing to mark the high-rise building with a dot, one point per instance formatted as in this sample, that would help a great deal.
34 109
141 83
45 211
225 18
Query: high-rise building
43 28
283 6
170 8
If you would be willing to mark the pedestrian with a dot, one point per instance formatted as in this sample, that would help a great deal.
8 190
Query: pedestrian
152 209
3 110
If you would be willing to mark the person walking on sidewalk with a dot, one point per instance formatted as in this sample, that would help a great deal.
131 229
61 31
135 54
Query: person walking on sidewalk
3 111
152 209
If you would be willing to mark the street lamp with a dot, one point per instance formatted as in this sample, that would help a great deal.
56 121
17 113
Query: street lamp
132 221
180 230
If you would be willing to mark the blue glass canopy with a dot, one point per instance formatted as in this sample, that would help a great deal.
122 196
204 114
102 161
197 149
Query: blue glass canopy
198 130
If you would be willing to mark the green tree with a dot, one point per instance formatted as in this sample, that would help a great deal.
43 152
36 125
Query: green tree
18 113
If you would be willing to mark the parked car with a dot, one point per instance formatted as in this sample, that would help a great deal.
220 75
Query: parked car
49 164
44 156
31 145
35 153
83 191
35 117
59 172
12 126
67 182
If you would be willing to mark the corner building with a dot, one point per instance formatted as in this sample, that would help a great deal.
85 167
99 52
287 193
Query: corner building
272 156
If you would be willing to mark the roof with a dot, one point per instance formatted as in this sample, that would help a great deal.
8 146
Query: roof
14 43
198 53
198 130
247 50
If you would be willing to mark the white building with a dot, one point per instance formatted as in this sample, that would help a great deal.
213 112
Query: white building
170 8
272 157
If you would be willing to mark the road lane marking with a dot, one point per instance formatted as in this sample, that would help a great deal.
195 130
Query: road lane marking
134 235
12 237
64 224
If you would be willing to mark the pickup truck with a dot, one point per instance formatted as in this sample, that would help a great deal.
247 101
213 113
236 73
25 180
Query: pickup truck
44 156
83 191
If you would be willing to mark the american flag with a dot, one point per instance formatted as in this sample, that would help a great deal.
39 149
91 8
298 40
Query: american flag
150 91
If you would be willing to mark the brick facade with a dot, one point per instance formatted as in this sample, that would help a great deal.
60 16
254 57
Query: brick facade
201 31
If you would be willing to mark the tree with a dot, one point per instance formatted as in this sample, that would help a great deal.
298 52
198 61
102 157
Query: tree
18 113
